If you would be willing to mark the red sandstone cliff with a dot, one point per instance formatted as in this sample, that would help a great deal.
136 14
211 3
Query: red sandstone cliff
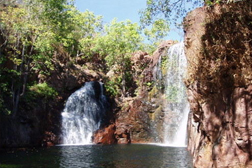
218 47
139 118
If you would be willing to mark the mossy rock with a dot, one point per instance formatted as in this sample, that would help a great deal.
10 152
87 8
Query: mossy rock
156 113
153 93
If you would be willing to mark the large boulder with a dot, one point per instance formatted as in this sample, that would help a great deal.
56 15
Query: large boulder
105 135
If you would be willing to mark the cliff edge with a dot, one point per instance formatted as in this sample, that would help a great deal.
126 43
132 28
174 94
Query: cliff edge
219 84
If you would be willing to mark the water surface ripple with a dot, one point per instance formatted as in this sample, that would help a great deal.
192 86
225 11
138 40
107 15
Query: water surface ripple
98 156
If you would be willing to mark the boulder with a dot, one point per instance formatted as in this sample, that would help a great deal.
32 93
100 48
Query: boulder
105 135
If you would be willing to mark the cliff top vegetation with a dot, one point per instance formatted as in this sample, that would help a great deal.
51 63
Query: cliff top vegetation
42 37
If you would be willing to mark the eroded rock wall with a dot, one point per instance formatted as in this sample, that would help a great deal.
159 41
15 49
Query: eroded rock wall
139 119
38 120
219 82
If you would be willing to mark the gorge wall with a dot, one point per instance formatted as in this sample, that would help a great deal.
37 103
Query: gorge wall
38 120
139 118
218 48
130 119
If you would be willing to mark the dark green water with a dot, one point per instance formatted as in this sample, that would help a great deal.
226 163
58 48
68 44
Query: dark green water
97 156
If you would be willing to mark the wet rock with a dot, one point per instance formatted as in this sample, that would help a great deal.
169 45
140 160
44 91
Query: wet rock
105 135
50 139
163 46
122 134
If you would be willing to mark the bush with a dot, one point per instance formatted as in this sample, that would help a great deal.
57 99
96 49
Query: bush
43 90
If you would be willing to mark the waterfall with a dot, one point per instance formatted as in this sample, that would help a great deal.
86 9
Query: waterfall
83 114
176 106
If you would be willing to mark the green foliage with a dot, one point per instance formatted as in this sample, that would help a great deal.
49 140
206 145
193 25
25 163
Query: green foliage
172 10
158 30
37 34
87 31
10 166
120 39
112 88
43 90
164 64
166 9
3 108
149 83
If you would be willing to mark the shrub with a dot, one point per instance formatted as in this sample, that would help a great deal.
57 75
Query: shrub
43 90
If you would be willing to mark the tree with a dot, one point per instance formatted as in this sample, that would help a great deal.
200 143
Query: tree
118 43
87 27
172 10
29 33
34 34
169 10
18 35
157 31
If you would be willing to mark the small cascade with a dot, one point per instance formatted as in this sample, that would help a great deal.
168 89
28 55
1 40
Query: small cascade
176 105
84 112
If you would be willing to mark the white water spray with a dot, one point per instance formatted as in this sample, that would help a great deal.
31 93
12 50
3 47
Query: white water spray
84 111
176 105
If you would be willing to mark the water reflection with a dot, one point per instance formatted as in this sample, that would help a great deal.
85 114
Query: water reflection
97 156
120 156
76 156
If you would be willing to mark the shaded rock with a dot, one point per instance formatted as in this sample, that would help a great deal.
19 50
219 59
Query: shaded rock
132 123
219 85
138 57
122 134
50 139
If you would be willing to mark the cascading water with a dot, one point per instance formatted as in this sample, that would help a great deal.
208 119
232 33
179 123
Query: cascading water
84 112
176 106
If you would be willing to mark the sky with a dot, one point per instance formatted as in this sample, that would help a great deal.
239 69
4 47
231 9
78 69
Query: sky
122 10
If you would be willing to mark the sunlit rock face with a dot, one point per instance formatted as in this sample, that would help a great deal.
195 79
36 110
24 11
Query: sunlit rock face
140 118
218 48
105 135
161 107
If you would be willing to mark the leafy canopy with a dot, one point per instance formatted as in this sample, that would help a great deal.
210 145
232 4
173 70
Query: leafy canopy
169 10
36 34
120 39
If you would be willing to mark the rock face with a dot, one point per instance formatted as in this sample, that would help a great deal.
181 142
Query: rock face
106 135
133 123
218 48
139 119
38 122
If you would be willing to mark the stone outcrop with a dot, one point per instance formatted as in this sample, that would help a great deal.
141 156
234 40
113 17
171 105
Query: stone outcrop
139 118
218 48
133 123
105 135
